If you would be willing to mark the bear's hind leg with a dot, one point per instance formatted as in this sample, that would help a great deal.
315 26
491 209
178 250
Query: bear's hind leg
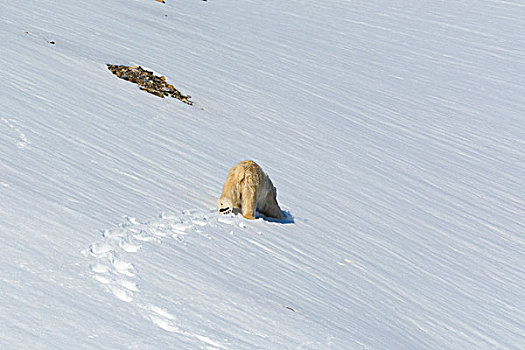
271 209
248 203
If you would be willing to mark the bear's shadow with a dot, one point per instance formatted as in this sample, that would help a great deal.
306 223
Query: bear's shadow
288 217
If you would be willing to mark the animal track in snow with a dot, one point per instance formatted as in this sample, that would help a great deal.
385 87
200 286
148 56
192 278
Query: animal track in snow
129 285
115 267
166 321
99 268
129 247
225 220
22 139
122 267
162 318
121 293
99 248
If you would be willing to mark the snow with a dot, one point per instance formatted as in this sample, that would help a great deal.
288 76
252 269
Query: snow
393 132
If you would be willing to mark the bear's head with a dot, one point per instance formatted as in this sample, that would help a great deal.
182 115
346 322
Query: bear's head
224 206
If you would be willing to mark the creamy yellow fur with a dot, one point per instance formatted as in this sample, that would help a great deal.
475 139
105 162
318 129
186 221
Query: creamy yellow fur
248 187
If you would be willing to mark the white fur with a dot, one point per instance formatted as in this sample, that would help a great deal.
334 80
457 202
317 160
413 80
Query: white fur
248 188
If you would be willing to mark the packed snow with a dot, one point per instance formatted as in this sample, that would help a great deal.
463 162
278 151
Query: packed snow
393 131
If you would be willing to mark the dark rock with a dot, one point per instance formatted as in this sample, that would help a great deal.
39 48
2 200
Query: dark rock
148 82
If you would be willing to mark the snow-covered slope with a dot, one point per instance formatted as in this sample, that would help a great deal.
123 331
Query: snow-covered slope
393 131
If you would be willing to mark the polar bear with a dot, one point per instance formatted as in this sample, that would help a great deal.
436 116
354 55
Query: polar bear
248 187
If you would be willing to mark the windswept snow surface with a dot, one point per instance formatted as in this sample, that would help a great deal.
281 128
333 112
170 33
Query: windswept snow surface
394 132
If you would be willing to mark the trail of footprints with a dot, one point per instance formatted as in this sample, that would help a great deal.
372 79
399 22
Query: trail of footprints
22 140
114 269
